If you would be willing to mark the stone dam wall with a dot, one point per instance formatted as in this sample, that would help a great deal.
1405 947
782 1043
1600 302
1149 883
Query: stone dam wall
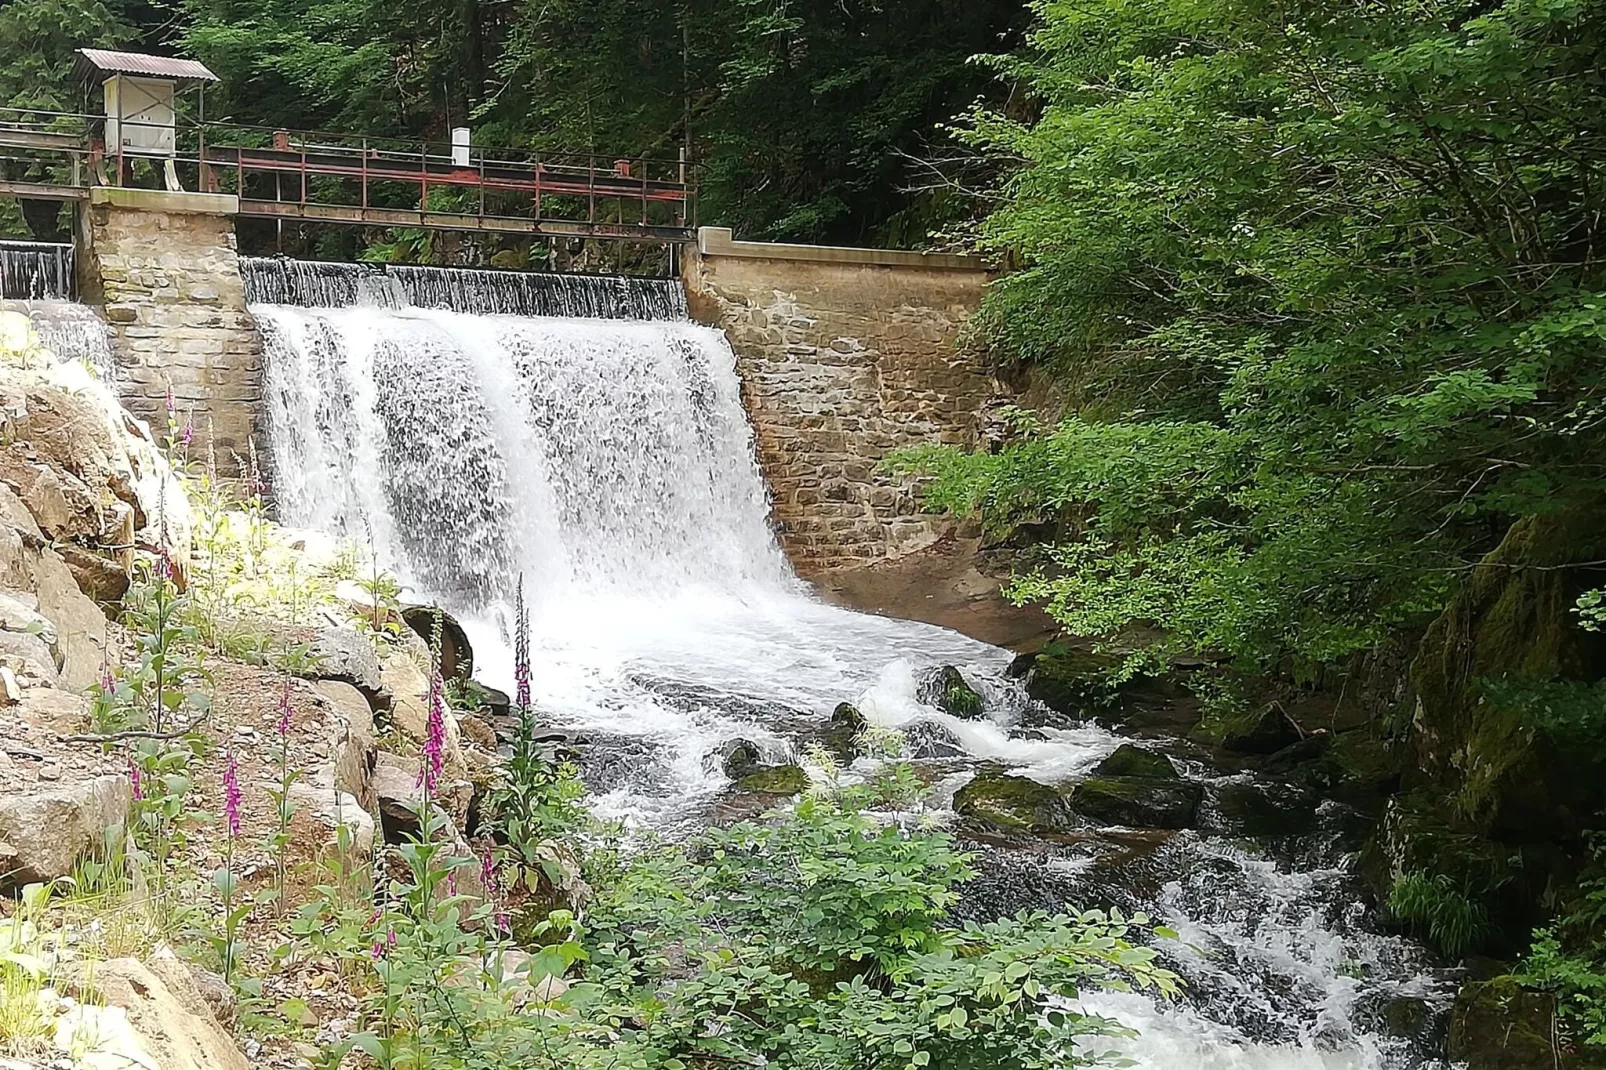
845 355
164 268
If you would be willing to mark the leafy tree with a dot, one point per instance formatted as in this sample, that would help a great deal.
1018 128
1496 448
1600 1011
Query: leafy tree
1322 289
37 43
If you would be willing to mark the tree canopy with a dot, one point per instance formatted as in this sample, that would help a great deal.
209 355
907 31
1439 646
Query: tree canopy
1322 286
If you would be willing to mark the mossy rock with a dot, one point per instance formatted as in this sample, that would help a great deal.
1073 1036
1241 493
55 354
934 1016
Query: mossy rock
847 715
1138 802
1507 883
1265 730
1505 649
1129 761
1073 683
1015 803
947 690
1499 1025
776 780
1252 810
736 758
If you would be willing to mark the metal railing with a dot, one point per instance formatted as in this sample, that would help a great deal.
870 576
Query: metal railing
353 178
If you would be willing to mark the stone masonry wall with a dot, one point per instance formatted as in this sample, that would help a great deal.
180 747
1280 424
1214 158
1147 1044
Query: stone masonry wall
165 267
845 355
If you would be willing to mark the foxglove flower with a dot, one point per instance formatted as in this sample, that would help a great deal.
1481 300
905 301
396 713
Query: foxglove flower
134 782
188 435
285 711
521 651
231 796
434 733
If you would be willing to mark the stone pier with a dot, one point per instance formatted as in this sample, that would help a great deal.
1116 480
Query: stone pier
165 269
845 355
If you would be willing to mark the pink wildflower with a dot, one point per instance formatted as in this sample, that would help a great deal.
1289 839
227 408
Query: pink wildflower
285 711
231 795
170 401
188 435
521 651
434 733
134 781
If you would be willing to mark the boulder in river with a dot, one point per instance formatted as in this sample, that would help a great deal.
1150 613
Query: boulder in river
1264 731
1138 801
1015 803
930 740
947 690
736 758
1255 809
775 780
1129 760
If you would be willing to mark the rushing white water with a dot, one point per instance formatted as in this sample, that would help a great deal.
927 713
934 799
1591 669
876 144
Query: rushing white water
610 463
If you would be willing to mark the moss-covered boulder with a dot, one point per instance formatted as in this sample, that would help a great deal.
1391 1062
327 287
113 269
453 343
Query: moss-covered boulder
946 689
1138 802
1015 803
1499 1025
1266 729
1129 760
776 780
1497 675
1259 809
736 758
1070 682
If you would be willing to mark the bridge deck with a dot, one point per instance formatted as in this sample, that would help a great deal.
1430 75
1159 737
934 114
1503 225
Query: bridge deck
365 182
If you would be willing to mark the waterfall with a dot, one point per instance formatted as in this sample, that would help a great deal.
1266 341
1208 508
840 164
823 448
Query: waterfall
31 271
604 455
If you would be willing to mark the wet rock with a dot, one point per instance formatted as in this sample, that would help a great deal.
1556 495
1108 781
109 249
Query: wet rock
1133 761
1014 803
1264 731
735 758
344 654
930 740
847 715
44 833
1499 1025
776 780
457 656
1302 752
945 688
1513 621
1253 810
1138 802
490 701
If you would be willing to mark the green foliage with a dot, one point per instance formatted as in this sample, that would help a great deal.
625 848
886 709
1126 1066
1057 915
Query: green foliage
804 120
1439 910
535 799
814 939
1568 959
1315 283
